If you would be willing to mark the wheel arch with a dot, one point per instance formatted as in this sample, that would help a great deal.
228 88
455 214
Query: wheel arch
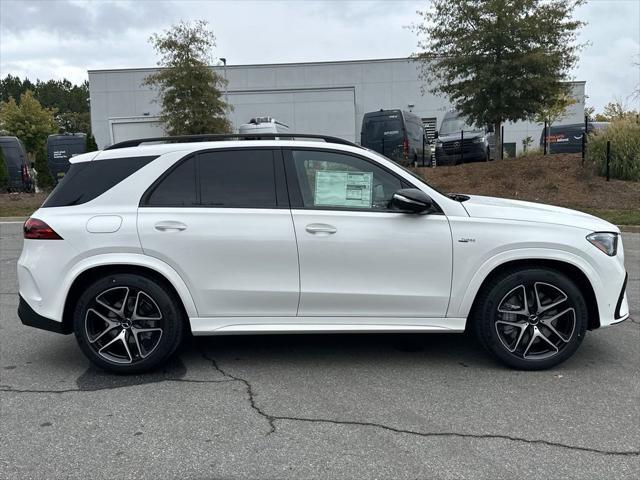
570 270
93 272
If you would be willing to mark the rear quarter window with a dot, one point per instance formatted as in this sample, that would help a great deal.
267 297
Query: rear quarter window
87 180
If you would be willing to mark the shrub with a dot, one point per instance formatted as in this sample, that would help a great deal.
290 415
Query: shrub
44 179
624 136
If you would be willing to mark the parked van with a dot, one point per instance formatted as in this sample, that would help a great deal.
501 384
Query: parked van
60 148
259 125
396 134
15 159
568 138
458 141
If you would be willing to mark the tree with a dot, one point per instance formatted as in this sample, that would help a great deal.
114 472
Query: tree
70 101
555 111
91 145
615 110
32 124
189 90
498 60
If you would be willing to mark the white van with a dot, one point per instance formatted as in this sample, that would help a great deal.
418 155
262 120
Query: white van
262 125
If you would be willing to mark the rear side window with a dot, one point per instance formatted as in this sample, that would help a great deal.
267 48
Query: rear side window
87 180
241 178
227 178
178 188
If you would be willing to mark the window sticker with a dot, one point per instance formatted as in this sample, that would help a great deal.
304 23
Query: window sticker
343 189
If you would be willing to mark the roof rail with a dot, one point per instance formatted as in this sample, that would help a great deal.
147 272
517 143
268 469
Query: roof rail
228 136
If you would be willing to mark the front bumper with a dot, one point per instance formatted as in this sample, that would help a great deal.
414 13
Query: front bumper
471 154
29 317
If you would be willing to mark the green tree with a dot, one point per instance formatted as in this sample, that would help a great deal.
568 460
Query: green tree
91 145
498 60
189 90
32 124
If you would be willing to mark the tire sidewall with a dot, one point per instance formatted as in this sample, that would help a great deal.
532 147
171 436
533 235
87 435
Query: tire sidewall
485 320
173 326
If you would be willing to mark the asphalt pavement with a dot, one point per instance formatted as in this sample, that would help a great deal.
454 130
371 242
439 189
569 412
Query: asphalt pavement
321 406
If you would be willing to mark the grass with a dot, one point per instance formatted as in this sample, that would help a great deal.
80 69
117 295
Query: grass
554 179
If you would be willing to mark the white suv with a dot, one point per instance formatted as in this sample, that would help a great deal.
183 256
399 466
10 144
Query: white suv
140 244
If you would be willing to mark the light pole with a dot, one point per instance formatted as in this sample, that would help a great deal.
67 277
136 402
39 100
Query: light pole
226 93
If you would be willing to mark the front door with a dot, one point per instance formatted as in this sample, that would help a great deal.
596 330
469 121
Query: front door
359 257
221 219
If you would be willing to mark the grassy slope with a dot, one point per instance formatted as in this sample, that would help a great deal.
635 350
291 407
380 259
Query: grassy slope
557 180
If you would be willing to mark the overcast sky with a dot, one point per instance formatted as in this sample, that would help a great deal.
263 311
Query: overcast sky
55 39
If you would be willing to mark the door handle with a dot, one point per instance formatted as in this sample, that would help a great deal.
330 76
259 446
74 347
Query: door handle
170 226
321 228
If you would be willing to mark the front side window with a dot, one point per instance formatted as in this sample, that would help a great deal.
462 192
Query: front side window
334 180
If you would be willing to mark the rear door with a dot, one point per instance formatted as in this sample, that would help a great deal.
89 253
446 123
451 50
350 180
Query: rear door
221 219
384 133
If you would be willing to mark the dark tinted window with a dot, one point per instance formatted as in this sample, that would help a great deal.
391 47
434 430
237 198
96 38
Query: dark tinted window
178 188
383 126
87 180
237 178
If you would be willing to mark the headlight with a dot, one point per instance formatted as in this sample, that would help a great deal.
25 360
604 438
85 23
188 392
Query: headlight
478 140
438 144
605 241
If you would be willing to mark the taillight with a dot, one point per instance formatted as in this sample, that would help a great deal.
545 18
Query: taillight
35 229
25 174
405 147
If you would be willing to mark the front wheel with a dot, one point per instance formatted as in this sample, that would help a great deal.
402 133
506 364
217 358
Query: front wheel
128 323
531 319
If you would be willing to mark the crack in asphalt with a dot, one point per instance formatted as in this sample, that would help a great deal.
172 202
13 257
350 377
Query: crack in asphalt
10 389
273 418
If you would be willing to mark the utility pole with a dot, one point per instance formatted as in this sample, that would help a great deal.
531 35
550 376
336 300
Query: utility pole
226 92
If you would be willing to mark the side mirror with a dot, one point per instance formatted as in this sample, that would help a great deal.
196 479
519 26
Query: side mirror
489 128
435 134
411 200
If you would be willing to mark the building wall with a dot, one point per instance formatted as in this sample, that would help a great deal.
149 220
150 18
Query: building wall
327 98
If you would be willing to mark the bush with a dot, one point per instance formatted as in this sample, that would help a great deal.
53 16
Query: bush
44 179
624 136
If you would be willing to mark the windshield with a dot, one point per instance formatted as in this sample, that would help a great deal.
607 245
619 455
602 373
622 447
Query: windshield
452 125
378 128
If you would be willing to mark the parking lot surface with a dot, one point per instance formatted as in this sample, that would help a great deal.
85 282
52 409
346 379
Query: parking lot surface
323 406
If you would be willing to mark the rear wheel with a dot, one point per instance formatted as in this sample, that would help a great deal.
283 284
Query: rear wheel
531 319
128 323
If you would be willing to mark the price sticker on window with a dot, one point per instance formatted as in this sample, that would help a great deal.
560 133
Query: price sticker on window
343 189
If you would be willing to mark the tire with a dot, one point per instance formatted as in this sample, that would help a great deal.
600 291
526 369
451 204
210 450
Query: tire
529 337
134 339
488 159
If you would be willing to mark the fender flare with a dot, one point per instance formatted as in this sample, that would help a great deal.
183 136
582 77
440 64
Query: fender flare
523 254
130 259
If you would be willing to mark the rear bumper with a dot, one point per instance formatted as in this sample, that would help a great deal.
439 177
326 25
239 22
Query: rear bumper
29 317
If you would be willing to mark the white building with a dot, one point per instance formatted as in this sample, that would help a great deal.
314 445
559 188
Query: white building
327 98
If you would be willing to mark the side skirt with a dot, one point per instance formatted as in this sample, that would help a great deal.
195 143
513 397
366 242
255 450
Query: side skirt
264 325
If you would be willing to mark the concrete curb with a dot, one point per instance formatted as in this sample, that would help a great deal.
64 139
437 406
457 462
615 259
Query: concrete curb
12 219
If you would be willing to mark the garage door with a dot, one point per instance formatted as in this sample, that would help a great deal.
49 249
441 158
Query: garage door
137 127
318 111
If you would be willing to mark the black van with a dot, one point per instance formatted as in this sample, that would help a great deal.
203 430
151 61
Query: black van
568 138
458 140
60 148
396 134
15 159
